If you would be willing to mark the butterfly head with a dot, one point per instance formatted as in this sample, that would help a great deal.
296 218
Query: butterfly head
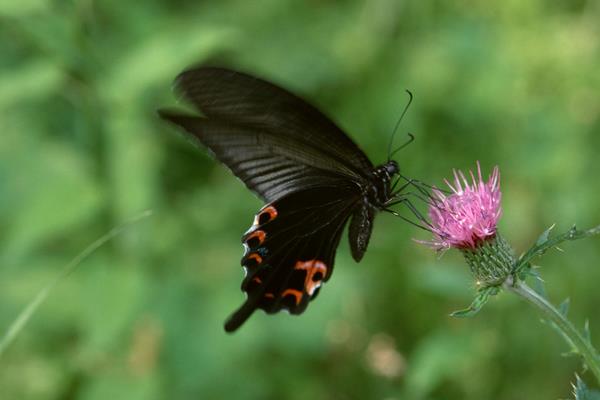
391 168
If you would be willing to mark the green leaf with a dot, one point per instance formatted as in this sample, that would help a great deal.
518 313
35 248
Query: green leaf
581 391
482 297
22 8
545 242
573 350
587 335
544 236
538 283
564 307
47 198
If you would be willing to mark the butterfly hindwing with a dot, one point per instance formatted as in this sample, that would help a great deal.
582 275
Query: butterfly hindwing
290 249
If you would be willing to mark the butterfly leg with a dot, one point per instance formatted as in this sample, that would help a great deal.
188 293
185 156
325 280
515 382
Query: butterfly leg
422 185
401 189
402 198
424 224
423 189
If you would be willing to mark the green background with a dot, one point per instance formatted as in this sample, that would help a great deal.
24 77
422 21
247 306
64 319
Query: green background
512 83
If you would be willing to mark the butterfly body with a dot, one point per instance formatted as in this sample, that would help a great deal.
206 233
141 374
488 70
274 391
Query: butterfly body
311 175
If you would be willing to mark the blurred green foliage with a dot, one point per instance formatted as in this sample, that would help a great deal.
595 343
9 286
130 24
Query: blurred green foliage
512 83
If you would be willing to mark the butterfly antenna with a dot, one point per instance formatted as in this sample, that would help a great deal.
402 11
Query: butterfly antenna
410 98
411 137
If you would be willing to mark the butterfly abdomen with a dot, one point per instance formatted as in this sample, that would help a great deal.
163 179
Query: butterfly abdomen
360 229
375 195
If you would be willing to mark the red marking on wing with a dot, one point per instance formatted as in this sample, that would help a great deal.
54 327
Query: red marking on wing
293 292
269 295
312 267
258 234
257 280
269 212
255 257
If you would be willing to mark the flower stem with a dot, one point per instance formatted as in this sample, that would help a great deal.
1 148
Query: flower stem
25 315
571 334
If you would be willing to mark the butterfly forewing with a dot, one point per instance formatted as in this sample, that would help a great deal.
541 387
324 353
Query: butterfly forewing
234 96
268 162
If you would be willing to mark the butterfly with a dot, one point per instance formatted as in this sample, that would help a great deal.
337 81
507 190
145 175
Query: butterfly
311 175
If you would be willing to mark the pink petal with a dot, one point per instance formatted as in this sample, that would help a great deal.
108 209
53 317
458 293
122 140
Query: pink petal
469 214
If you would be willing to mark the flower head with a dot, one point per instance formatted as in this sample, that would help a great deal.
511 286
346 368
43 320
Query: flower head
467 216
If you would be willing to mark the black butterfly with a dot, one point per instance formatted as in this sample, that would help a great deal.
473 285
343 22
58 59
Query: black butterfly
312 176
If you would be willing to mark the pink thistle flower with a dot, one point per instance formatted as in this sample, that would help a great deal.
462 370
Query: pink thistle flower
468 216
